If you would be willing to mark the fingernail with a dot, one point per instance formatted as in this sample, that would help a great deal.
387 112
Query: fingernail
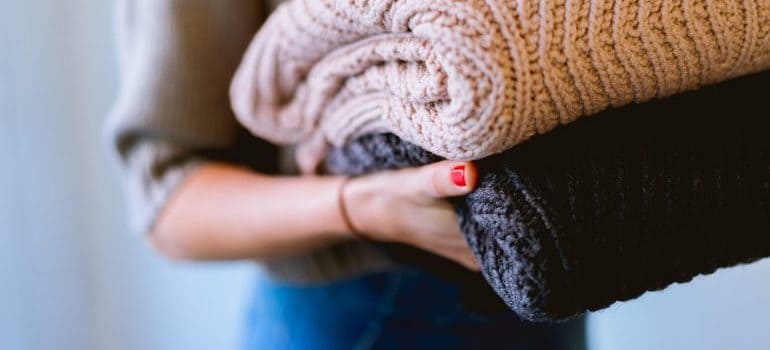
458 175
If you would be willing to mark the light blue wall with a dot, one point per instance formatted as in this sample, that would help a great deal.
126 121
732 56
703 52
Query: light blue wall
728 310
73 278
71 275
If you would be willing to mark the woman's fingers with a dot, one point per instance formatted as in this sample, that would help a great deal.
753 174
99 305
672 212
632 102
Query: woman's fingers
407 206
453 247
446 179
466 259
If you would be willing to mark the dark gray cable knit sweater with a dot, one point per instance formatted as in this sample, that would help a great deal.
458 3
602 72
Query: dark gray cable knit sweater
614 205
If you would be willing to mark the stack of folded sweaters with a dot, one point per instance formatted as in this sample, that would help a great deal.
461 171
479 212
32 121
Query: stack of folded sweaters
587 212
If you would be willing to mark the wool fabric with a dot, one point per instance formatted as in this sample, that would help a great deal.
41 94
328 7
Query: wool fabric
609 207
465 79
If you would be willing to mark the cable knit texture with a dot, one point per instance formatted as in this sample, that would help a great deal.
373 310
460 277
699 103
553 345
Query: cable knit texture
465 79
609 207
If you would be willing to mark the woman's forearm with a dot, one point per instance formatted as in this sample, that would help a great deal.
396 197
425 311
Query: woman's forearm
223 212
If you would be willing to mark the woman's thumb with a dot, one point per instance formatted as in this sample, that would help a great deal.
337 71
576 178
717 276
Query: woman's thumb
447 179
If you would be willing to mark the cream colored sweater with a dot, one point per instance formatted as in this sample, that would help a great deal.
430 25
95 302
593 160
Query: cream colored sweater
468 78
177 58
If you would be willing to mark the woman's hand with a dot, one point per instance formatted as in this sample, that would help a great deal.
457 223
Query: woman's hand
409 206
223 212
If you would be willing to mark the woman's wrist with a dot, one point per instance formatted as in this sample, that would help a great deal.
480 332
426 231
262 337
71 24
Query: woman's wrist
336 224
343 203
362 199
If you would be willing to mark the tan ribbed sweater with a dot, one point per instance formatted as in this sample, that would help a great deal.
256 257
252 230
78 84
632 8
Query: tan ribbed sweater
468 78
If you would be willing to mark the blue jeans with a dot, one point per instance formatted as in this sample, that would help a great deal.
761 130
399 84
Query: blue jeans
403 309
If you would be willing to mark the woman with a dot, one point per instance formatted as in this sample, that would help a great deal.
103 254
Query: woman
200 189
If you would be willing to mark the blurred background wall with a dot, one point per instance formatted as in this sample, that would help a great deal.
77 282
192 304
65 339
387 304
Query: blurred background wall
73 277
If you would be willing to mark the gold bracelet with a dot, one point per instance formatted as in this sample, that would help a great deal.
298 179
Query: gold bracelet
344 211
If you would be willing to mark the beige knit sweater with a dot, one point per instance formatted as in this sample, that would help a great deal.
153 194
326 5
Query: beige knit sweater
468 78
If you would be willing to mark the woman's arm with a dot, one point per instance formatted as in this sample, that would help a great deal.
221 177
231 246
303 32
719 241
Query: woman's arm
223 212
226 212
172 125
172 113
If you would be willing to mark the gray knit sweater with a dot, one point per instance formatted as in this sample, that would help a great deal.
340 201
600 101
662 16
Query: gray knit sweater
611 206
177 58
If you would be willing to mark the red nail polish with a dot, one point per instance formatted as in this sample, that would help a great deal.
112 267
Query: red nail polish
458 175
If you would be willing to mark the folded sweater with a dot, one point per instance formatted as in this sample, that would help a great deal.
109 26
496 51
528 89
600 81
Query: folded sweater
611 206
465 79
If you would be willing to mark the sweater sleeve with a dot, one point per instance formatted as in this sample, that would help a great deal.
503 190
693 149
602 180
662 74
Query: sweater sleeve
176 59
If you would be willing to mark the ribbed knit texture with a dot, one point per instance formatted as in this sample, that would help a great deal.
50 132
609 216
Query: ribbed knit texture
609 207
465 79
